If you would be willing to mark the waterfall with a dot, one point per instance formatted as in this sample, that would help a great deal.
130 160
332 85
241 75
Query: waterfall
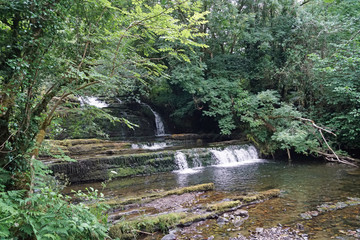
235 155
180 160
92 101
151 146
227 157
160 130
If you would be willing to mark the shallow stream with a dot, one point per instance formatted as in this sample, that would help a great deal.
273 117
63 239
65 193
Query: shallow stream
304 185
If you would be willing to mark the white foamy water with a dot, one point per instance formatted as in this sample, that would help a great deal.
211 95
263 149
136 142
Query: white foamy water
180 160
160 129
152 146
235 155
92 101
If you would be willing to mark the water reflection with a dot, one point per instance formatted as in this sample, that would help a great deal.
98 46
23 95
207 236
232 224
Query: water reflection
307 183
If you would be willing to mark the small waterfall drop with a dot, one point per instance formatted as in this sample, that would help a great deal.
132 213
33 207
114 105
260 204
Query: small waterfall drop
160 129
180 159
150 146
235 155
92 101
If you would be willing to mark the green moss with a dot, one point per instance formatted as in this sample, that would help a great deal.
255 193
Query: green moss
127 171
222 205
195 218
130 229
196 188
259 196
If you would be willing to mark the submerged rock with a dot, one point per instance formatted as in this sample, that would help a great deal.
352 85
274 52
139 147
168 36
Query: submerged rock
300 227
242 213
275 233
341 205
326 207
221 221
306 215
238 221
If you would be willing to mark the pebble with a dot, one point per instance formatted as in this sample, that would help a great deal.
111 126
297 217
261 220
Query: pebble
305 215
222 220
300 227
238 221
242 213
170 236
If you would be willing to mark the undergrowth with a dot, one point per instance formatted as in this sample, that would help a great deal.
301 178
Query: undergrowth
42 212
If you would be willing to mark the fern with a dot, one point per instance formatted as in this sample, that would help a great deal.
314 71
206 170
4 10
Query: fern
47 214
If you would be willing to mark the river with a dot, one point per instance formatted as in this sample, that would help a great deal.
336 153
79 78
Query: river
304 185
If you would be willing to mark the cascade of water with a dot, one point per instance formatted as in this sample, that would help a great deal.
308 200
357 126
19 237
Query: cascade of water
180 159
160 129
119 100
150 146
235 155
92 101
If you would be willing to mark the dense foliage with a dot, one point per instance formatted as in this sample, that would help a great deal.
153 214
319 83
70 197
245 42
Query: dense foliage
306 53
48 214
283 73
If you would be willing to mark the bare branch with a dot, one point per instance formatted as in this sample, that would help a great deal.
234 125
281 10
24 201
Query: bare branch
316 126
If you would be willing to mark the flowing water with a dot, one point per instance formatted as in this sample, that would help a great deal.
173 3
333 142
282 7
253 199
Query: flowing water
160 129
181 161
304 185
92 101
150 146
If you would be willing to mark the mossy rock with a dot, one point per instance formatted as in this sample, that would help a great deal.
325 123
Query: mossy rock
258 196
196 188
221 206
73 142
130 229
188 220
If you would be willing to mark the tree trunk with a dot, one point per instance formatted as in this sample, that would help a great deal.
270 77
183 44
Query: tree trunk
4 138
289 155
41 136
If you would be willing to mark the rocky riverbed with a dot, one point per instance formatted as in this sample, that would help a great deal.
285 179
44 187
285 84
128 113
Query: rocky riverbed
200 212
183 209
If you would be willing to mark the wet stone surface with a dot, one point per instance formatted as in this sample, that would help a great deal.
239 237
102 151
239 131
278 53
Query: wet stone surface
327 207
275 233
174 202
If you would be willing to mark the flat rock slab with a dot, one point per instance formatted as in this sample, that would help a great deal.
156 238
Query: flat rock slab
173 202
